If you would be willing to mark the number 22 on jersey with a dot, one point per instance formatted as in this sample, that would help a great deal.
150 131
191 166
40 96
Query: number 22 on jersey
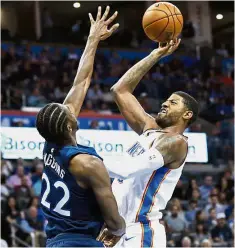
62 202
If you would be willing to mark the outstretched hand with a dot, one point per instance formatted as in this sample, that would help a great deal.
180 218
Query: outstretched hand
99 27
166 49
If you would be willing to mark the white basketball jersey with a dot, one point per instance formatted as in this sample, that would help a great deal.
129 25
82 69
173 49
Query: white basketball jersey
140 198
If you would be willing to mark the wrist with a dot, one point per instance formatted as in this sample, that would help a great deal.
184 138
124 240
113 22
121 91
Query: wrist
156 55
119 232
93 38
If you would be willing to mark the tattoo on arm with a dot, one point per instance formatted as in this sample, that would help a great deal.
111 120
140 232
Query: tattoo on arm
132 77
172 148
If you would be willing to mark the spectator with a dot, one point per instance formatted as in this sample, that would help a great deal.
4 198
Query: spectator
223 200
206 188
12 211
192 186
105 109
174 222
33 219
201 234
9 216
221 233
36 99
191 213
31 222
16 179
88 108
231 220
95 94
143 99
23 194
38 172
195 195
212 220
214 203
199 218
206 243
177 203
107 96
186 242
37 179
226 184
179 190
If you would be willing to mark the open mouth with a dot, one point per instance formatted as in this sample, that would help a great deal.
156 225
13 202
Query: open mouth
163 111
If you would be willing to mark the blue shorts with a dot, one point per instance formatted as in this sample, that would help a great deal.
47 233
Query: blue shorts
73 240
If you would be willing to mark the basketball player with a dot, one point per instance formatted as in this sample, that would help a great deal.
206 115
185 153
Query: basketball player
76 193
152 166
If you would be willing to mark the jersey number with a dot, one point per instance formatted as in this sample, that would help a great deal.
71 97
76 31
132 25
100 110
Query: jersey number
62 202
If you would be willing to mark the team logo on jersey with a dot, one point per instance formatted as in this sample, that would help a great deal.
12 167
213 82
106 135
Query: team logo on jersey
136 150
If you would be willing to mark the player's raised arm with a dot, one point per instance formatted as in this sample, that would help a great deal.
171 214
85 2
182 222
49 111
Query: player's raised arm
128 105
98 31
93 173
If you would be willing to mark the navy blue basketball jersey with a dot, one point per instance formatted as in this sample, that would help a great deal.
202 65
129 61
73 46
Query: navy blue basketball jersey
68 207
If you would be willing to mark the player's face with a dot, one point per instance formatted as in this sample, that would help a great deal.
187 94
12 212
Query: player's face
72 120
171 111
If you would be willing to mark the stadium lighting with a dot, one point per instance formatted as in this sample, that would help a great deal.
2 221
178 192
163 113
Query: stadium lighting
76 5
219 16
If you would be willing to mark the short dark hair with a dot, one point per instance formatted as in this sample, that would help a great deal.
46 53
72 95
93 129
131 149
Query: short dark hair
191 104
51 123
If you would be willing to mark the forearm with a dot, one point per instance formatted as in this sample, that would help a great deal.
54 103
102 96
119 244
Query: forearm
86 63
128 166
132 77
77 93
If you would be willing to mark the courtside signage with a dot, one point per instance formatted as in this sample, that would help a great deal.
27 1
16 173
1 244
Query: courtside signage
28 144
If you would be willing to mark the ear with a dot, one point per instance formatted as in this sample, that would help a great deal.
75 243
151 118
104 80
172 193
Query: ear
188 115
69 128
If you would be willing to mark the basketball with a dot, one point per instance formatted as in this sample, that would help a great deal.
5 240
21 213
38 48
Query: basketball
162 22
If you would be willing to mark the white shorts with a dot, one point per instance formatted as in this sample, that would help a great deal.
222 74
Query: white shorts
144 235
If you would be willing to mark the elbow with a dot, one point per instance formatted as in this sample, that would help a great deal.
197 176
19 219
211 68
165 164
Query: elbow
115 90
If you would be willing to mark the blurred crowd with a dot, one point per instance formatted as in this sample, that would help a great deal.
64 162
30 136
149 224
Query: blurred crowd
200 214
34 79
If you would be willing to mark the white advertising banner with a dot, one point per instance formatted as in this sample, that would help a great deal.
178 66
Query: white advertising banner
28 144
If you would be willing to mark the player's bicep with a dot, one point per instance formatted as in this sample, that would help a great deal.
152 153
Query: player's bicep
133 112
173 149
96 177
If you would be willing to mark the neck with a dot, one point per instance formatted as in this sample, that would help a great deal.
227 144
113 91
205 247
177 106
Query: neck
71 142
175 129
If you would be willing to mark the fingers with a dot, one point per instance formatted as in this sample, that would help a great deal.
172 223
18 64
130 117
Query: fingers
105 13
111 18
174 45
98 14
113 28
110 31
91 18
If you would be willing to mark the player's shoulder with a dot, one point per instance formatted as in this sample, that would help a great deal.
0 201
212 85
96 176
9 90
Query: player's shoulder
172 142
176 137
176 140
84 163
